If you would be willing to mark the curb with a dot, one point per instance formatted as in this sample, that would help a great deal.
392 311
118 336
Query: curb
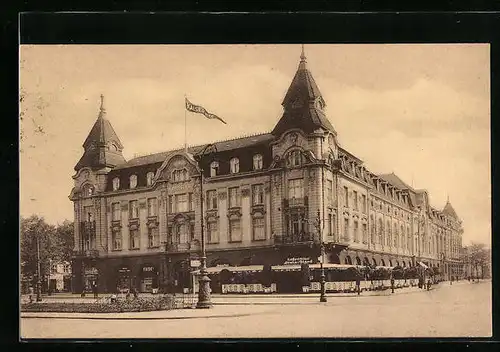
137 318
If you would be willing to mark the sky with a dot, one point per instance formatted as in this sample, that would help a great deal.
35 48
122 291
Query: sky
420 111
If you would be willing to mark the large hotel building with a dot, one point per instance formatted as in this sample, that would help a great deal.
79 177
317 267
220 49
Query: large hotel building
138 221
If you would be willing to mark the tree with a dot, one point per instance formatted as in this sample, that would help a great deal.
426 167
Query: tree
55 244
478 257
34 229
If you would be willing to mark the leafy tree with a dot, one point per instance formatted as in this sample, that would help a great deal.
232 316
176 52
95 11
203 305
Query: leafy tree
65 240
478 256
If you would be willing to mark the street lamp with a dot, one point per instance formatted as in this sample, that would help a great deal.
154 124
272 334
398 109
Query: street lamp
38 278
322 297
204 300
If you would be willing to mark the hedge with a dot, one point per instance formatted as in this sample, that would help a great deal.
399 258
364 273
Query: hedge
120 306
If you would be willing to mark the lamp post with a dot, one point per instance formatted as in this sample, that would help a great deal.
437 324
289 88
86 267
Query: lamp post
322 297
204 300
38 278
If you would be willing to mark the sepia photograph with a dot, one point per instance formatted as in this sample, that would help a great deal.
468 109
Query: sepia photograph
255 191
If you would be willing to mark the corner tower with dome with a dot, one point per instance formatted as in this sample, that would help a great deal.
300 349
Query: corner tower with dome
270 200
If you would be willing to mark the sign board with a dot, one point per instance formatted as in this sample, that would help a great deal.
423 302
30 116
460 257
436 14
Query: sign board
298 261
91 271
124 270
195 263
222 265
148 269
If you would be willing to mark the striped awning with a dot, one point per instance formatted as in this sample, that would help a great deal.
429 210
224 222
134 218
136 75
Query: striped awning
218 269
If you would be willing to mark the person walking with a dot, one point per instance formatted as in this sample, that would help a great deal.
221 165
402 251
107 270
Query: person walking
94 290
358 284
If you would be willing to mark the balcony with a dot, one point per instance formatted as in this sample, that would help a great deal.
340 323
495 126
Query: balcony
183 247
296 239
295 202
87 253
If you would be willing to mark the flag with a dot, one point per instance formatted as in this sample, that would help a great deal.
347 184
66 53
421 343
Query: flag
201 110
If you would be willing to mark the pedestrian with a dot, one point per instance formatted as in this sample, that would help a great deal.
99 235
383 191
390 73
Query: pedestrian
358 284
428 284
392 284
31 293
94 290
134 291
127 296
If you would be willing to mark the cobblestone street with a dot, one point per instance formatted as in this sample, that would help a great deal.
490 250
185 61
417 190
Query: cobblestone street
460 310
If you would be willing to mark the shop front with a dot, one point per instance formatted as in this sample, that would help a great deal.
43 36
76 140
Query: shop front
149 278
125 278
91 278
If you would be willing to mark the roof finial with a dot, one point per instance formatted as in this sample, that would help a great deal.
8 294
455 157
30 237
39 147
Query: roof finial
102 102
447 198
102 110
302 55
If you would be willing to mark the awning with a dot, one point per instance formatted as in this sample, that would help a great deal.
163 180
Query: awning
423 265
335 266
218 269
286 268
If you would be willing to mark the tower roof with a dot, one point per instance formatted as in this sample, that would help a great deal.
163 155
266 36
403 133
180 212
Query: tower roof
102 146
303 103
448 210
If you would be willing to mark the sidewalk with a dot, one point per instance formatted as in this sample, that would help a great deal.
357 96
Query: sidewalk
215 312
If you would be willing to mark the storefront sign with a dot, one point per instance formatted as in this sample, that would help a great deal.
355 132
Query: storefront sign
195 263
124 270
148 269
222 265
298 260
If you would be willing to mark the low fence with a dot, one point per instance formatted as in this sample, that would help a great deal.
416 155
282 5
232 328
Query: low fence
106 305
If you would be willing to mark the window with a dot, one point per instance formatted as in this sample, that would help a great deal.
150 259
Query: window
346 228
134 239
380 232
235 230
295 188
153 237
88 191
257 162
181 203
212 232
258 229
212 199
372 229
133 209
356 231
363 203
329 225
116 235
355 198
152 206
334 225
235 165
346 196
133 181
116 214
191 201
396 236
214 168
294 158
234 197
365 233
149 178
257 194
171 208
180 175
116 183
329 191
389 237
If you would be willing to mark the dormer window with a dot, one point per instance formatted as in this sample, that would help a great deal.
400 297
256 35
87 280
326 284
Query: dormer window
133 181
297 103
235 165
180 175
294 158
88 191
149 178
214 168
116 184
257 162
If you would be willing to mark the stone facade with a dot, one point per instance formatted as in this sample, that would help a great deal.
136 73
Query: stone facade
138 222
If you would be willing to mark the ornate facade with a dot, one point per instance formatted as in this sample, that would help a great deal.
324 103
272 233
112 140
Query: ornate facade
267 198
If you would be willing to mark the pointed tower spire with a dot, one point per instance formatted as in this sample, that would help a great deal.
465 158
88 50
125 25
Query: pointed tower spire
303 103
102 147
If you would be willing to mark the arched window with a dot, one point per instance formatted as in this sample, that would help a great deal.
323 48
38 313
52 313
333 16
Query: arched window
116 184
149 178
235 165
294 158
372 229
403 237
133 181
87 190
257 162
374 261
382 262
358 261
214 168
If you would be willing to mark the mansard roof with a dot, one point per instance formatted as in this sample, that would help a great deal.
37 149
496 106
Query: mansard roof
222 146
393 179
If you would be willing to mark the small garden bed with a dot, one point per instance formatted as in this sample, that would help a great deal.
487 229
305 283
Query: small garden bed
120 306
